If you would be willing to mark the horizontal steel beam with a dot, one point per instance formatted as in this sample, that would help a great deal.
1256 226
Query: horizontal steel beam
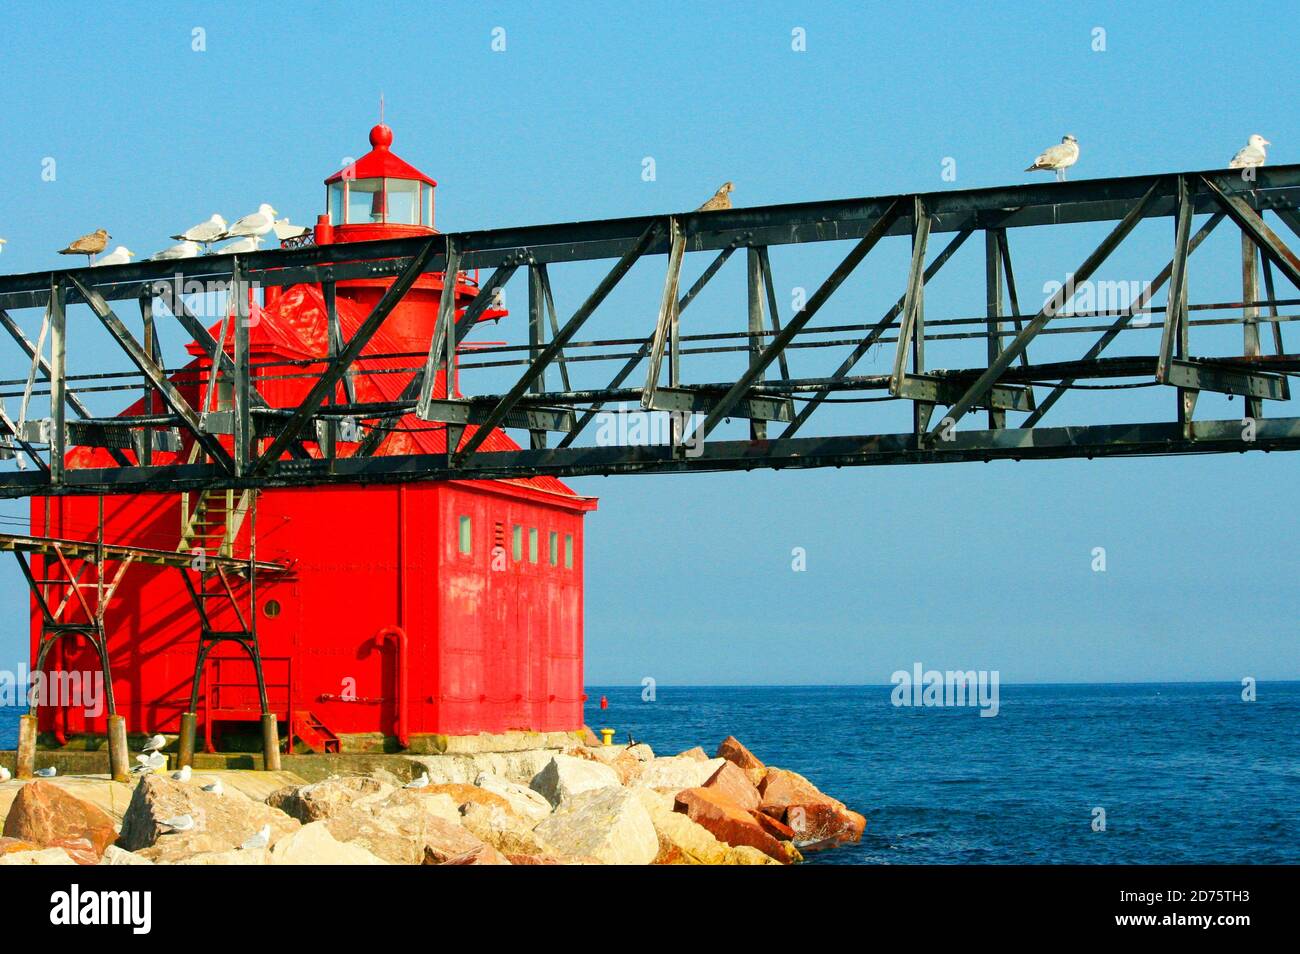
1050 443
695 401
460 411
1208 377
1045 203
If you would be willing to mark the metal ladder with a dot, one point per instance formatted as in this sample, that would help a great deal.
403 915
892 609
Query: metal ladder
211 521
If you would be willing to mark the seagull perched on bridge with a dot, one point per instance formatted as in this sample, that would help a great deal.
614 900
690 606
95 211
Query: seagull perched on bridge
1250 155
1057 158
89 245
284 230
721 199
205 233
255 223
249 243
185 249
119 256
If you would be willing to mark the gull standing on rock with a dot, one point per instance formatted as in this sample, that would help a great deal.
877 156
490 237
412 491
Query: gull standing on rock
260 840
149 763
89 245
420 782
1057 158
205 233
179 823
183 775
185 249
4 774
255 223
721 199
49 772
119 256
1250 155
215 788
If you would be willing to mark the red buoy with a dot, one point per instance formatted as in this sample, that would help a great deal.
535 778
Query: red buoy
604 703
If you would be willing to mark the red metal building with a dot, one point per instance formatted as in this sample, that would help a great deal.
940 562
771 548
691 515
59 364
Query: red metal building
439 608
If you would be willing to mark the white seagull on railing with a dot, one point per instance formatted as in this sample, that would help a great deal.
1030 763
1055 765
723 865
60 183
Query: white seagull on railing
1057 158
284 230
1250 155
238 247
255 223
205 233
185 249
119 256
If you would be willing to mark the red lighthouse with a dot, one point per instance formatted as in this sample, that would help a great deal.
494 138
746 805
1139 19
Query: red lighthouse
399 613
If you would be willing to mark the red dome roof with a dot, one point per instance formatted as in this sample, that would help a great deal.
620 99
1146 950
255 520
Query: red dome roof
379 162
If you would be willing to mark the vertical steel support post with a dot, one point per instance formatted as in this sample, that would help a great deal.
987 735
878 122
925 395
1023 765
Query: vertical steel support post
536 338
58 379
243 426
1250 313
993 311
756 291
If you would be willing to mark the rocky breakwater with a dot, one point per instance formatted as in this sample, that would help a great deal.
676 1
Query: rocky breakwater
588 804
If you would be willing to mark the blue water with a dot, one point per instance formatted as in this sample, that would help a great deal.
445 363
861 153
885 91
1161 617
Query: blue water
1186 772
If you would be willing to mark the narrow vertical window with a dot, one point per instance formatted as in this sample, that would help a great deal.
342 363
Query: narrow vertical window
466 534
532 544
568 551
554 548
517 542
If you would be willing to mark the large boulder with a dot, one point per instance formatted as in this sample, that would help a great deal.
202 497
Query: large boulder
683 842
566 776
46 815
609 824
462 795
503 830
326 798
404 826
732 782
676 772
731 750
482 855
696 753
312 844
728 822
114 855
813 816
221 822
523 801
520 766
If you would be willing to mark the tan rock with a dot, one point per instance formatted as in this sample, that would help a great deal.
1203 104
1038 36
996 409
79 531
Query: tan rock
404 827
565 776
8 845
523 801
45 814
463 795
503 830
610 824
234 856
696 753
326 798
674 773
312 844
41 856
114 855
481 855
221 822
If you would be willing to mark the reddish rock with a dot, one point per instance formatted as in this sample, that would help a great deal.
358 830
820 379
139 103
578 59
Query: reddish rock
732 782
45 814
731 750
727 821
483 854
587 736
516 859
773 827
79 850
813 815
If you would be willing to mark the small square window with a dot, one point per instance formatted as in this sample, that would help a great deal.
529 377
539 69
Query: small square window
517 542
466 535
568 551
532 544
554 547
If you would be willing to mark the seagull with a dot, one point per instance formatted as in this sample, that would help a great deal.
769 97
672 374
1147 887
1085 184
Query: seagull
255 223
239 246
185 249
215 788
283 230
154 743
149 763
1057 158
47 772
2 244
721 199
119 256
4 774
420 782
179 823
205 233
183 775
1250 155
260 840
88 245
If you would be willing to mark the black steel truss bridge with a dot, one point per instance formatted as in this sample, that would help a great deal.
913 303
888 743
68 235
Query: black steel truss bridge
577 362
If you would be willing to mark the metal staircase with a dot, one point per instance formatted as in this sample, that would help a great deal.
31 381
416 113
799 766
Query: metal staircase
211 520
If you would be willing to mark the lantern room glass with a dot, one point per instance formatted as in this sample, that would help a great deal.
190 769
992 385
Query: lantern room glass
380 202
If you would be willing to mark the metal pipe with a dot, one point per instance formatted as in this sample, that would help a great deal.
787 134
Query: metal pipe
399 636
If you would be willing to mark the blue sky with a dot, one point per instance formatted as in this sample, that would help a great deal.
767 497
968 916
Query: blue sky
689 577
